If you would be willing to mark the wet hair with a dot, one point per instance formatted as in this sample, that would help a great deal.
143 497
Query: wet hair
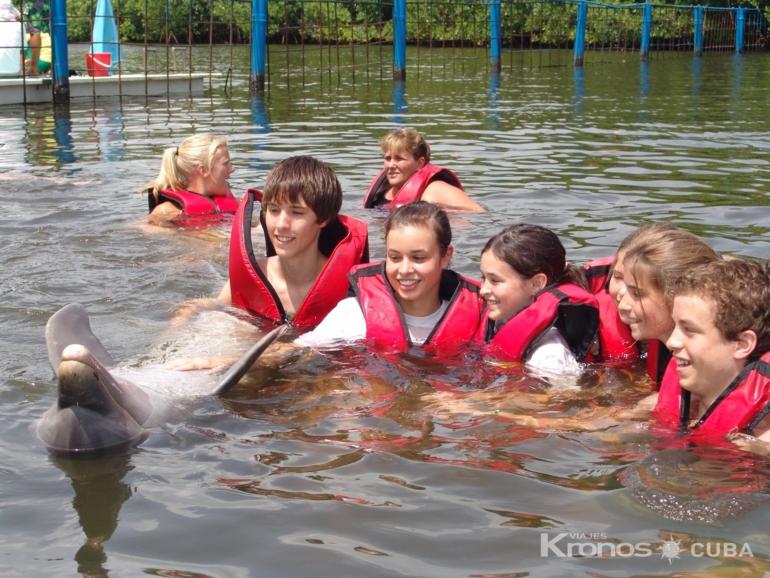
406 139
643 234
305 177
179 163
532 249
422 214
657 261
740 290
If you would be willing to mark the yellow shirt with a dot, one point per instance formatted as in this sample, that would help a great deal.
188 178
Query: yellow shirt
45 47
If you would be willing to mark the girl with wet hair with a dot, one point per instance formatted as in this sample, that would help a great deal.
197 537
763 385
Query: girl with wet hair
192 185
410 299
605 277
538 307
651 268
642 279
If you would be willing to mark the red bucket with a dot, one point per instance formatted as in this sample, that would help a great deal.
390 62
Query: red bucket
98 63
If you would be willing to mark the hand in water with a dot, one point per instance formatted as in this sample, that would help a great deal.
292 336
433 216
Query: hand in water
750 444
277 355
213 364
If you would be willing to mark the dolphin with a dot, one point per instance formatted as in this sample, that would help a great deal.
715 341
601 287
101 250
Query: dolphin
97 411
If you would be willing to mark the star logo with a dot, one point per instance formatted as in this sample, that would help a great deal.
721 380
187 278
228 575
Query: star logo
670 549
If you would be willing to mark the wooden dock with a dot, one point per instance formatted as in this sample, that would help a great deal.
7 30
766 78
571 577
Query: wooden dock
32 90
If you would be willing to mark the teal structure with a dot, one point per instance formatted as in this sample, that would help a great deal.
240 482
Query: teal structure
258 45
697 40
495 36
61 72
105 33
646 31
580 33
399 39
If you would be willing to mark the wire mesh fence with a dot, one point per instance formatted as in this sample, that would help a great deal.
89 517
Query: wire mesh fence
307 35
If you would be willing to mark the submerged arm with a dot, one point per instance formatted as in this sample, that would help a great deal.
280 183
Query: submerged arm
163 214
450 198
345 323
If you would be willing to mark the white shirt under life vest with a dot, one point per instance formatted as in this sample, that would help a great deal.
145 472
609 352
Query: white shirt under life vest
345 323
551 356
552 361
551 353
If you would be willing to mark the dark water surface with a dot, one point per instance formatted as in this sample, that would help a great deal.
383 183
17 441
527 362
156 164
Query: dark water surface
360 464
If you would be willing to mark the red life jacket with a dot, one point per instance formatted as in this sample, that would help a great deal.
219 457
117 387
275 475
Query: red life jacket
658 358
196 208
614 335
672 399
385 322
412 189
739 408
569 308
344 240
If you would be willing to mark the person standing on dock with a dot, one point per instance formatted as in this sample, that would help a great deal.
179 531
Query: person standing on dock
37 19
11 39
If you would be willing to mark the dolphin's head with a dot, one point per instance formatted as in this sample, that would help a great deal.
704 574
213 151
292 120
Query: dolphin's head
93 412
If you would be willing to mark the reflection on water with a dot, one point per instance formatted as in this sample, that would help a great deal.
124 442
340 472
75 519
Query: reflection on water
400 106
356 462
261 122
99 494
62 133
704 486
696 90
108 133
644 91
580 89
59 138
493 93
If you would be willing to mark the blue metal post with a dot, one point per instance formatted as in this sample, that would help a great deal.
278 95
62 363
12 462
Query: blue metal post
580 33
258 44
646 31
740 21
698 31
399 39
495 38
61 65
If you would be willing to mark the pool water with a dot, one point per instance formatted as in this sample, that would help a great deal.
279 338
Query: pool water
357 463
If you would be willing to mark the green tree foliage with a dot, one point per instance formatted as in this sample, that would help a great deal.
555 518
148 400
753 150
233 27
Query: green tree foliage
325 21
525 24
447 21
166 20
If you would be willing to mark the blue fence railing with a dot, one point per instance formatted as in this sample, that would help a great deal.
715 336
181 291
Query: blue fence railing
579 25
546 32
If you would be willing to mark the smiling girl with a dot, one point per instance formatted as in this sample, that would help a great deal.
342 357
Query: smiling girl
412 298
650 269
538 308
605 277
408 176
192 186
